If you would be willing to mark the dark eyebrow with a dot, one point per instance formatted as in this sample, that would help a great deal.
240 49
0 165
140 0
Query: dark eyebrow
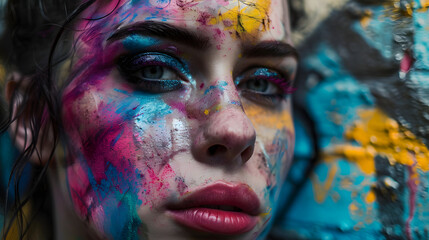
162 30
270 49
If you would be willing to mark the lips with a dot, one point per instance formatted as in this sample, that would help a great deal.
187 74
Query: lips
221 208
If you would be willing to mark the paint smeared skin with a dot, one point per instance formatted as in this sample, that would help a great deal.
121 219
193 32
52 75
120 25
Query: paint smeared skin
246 18
279 150
112 184
129 150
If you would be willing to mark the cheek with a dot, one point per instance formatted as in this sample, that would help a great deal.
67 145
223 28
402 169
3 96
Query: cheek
275 141
119 150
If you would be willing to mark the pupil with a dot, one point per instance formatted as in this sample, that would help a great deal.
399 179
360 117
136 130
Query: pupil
257 85
152 72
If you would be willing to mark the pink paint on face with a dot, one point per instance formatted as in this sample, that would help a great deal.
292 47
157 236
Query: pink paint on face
151 119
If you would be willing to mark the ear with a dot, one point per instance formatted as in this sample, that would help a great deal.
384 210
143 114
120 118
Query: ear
20 128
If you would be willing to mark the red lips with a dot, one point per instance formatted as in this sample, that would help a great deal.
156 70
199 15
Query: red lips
221 208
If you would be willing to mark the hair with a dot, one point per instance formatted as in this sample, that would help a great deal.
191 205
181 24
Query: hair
34 43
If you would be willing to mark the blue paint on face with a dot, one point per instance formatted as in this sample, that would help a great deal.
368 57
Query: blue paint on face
120 204
145 108
134 17
275 163
116 196
162 2
122 91
135 42
123 18
147 2
220 86
136 63
238 103
135 2
112 144
266 72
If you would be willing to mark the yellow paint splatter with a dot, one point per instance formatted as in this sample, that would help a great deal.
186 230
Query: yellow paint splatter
215 108
353 208
264 214
395 9
380 135
370 197
364 21
260 116
321 189
424 6
248 17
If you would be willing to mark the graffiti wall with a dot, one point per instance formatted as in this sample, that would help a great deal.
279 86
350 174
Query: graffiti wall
362 159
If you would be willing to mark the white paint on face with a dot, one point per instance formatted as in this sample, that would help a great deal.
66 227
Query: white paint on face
142 145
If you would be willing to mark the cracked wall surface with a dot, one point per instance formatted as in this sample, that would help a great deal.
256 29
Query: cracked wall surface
362 116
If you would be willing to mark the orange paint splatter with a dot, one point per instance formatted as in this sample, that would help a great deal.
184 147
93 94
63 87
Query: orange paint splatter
377 134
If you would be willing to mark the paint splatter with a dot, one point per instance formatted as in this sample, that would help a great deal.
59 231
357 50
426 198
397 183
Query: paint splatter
247 18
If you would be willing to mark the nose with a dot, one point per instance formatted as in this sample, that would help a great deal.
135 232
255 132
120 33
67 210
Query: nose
227 138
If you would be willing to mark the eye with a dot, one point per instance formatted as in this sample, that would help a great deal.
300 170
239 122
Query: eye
157 72
153 72
263 85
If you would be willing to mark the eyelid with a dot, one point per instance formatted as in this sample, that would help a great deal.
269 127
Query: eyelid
281 73
282 81
132 57
181 69
130 65
268 100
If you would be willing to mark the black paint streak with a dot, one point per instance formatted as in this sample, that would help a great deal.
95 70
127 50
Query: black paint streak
390 197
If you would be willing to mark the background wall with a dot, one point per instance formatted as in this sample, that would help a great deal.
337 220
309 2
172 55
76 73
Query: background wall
362 116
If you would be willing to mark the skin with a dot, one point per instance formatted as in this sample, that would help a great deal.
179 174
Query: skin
129 150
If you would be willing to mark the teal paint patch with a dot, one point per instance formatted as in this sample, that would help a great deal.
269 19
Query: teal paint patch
145 108
220 86
121 215
333 103
136 43
383 23
419 4
303 143
421 38
325 61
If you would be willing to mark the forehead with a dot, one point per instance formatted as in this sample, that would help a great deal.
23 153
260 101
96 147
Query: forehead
240 19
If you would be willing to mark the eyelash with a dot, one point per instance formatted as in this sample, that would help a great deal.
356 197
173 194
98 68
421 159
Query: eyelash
130 65
273 77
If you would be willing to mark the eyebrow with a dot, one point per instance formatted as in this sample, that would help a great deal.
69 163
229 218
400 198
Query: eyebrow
162 30
270 49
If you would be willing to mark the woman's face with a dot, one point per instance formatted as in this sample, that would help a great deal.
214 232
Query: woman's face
177 117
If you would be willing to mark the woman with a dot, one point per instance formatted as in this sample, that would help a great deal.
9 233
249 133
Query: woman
157 119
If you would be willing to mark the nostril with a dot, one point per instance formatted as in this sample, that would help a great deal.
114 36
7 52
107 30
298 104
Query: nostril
247 153
216 149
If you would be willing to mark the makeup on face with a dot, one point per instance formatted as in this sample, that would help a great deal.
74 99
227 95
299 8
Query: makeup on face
176 132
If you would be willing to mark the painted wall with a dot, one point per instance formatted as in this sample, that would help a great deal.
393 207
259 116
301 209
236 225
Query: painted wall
363 100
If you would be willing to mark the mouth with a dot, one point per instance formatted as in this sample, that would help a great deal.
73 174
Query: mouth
221 208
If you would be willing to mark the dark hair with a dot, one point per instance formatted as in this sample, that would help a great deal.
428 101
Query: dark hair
34 42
